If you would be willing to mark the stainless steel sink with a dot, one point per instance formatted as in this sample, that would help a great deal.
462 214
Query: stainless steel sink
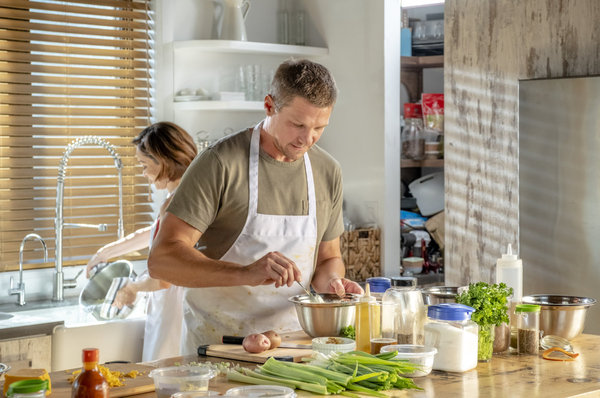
5 315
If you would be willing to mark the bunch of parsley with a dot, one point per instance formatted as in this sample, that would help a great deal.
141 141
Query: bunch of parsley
489 301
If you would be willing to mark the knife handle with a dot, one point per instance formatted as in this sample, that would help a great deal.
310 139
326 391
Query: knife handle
232 340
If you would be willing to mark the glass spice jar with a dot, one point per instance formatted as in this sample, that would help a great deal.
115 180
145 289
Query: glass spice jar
528 328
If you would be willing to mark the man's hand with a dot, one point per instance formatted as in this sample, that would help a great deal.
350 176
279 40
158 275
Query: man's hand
273 268
125 296
341 286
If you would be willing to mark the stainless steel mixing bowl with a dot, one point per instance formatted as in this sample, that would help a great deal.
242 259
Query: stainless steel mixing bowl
439 294
561 315
94 293
328 318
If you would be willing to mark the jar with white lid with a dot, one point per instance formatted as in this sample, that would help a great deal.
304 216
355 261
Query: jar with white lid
449 328
410 315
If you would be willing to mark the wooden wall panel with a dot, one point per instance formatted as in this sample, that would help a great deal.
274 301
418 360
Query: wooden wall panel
489 46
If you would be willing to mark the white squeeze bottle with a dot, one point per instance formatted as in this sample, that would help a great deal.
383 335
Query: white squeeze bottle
509 269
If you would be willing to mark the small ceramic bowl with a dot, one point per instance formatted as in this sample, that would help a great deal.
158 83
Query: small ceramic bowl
413 264
327 345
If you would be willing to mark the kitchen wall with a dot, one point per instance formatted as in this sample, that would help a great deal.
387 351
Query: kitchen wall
489 46
364 56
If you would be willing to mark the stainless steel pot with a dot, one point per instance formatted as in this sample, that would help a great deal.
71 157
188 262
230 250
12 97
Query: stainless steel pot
325 319
561 315
439 294
99 293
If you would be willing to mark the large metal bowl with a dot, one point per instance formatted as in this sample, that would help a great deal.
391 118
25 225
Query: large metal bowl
328 318
439 294
561 315
94 294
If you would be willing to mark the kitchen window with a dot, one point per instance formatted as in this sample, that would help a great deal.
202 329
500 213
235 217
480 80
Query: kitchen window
70 69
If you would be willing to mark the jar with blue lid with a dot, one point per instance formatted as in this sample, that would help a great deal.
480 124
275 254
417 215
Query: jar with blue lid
449 328
379 284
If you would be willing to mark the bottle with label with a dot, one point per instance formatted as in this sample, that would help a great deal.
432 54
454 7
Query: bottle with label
363 334
90 383
509 270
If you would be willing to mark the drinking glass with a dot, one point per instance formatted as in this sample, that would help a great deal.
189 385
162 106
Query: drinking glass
381 325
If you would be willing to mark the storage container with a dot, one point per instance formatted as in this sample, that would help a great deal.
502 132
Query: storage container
528 328
417 354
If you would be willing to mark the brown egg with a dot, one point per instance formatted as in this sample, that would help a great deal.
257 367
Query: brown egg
274 338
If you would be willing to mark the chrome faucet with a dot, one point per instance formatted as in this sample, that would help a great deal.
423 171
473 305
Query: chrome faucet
20 289
60 283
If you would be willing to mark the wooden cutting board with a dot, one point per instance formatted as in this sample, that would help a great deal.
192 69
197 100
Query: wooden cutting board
237 352
61 387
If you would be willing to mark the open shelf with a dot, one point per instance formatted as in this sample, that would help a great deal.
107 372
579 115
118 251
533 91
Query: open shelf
428 61
406 163
249 47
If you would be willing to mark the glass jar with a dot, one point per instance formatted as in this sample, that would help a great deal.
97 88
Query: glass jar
528 328
413 140
449 328
409 317
31 388
404 282
378 286
485 347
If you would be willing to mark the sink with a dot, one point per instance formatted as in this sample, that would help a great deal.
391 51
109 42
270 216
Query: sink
5 315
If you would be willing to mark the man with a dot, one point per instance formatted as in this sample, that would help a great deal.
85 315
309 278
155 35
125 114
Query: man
267 204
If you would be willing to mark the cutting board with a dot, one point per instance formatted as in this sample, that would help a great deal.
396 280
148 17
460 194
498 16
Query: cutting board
237 352
140 385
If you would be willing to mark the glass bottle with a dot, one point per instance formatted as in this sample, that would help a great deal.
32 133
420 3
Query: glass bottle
528 328
413 138
90 383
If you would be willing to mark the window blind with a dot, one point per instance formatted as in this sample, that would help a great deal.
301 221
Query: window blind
70 69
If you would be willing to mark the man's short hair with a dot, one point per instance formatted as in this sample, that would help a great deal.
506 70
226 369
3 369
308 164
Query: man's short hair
306 79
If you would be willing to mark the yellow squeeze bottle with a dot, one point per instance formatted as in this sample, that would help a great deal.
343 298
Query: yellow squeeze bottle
363 338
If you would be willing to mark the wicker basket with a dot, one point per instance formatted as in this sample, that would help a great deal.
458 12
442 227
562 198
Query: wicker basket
361 253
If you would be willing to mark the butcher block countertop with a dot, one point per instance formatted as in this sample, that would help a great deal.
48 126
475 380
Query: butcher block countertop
506 375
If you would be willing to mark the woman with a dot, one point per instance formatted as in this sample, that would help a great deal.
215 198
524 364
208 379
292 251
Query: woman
164 150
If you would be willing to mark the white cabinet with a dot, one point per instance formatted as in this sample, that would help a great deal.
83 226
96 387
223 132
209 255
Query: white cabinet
216 66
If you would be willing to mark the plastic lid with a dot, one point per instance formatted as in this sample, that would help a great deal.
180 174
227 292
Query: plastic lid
404 281
412 111
27 386
90 354
262 391
379 284
527 308
509 254
450 312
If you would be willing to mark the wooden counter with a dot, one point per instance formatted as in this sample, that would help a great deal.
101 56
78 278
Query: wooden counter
505 375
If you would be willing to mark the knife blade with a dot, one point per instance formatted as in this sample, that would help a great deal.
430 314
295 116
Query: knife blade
238 340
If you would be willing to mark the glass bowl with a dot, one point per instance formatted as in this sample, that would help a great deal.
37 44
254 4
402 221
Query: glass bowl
174 379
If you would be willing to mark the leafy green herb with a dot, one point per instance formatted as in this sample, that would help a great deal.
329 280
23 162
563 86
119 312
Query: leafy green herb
348 332
489 301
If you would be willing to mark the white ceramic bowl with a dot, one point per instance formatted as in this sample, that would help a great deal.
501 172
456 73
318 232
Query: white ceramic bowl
417 354
327 345
174 379
413 264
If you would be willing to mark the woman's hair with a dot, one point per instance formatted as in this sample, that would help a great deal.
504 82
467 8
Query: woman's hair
168 145
305 79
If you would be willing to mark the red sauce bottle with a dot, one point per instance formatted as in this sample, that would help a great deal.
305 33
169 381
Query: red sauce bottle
90 383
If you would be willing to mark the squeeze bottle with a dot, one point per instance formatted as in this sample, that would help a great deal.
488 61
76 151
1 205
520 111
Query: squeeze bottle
363 335
509 269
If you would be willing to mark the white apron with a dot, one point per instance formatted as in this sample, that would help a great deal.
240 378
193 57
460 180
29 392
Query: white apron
164 319
210 313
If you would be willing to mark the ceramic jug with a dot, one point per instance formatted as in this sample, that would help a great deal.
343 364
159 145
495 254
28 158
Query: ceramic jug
232 25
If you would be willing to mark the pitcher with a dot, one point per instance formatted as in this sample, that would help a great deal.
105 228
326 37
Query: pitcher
232 25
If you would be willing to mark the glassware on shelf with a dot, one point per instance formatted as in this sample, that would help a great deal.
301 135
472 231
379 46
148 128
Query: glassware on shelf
413 138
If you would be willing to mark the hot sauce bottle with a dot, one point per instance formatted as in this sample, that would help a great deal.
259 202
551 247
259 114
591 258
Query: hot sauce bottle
90 383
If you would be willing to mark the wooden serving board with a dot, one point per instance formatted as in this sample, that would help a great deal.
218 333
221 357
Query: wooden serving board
237 352
61 387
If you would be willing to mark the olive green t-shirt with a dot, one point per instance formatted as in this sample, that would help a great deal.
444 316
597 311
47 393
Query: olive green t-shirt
213 194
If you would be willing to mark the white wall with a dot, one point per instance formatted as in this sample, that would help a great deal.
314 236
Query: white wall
364 128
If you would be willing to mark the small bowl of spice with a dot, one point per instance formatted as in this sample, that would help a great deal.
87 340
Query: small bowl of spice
327 345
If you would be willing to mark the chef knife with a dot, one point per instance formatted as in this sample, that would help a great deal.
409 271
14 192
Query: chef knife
239 340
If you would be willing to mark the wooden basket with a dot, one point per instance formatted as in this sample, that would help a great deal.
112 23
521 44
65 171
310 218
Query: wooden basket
361 253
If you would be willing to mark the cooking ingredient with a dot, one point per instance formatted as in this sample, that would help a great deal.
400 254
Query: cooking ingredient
528 328
363 333
90 383
501 338
333 374
547 354
490 302
256 343
376 344
26 374
450 329
528 341
348 332
274 338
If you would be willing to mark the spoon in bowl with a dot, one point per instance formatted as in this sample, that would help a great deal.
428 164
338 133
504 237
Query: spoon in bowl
314 298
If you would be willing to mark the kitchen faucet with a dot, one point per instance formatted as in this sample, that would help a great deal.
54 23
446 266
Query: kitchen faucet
60 283
20 289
